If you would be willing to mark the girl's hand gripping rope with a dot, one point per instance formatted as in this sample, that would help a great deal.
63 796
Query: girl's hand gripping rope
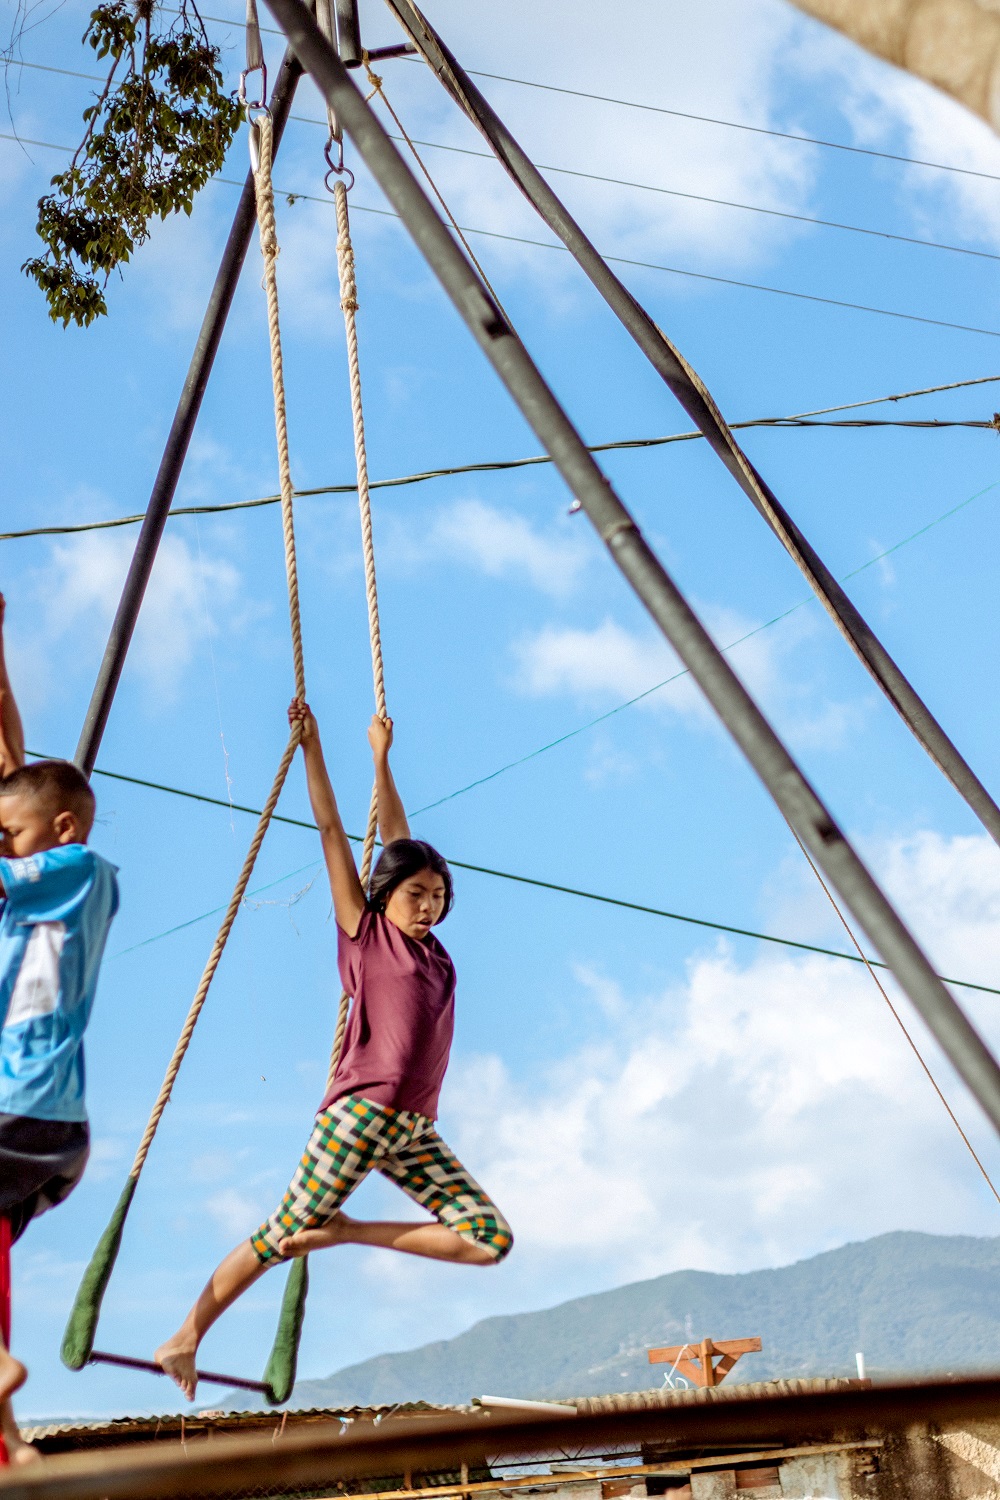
299 712
380 737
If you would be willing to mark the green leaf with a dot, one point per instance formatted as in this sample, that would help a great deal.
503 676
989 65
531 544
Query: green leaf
159 132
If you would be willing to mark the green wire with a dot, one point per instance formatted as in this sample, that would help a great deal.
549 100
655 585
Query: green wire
460 864
193 921
630 702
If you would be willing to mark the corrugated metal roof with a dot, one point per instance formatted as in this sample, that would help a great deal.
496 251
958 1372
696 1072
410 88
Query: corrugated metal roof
695 1395
100 1432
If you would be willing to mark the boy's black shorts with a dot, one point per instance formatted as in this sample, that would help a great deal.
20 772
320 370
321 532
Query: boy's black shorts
41 1162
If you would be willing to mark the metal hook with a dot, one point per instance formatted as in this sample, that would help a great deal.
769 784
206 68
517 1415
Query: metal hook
249 104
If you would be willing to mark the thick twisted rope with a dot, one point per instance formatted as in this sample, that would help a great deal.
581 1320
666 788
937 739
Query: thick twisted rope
349 303
269 250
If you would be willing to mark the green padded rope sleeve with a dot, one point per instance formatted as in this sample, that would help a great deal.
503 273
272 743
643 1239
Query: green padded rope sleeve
78 1340
279 1375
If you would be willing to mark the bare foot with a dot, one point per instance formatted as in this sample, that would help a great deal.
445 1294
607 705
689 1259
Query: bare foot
336 1231
177 1359
12 1375
19 1452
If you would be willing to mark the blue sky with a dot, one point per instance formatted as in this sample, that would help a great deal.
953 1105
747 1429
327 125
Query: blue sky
639 1095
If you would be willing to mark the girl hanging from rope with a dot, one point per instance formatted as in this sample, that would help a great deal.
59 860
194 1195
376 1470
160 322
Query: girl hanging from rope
378 1113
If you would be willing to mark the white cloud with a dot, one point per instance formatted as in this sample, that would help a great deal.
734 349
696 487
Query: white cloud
891 110
720 59
498 543
190 593
758 1109
606 660
949 889
234 1212
609 663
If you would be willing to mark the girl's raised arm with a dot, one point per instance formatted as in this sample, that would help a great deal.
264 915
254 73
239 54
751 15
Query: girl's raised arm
392 822
345 887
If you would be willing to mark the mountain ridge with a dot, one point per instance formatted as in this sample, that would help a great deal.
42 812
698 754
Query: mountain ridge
912 1302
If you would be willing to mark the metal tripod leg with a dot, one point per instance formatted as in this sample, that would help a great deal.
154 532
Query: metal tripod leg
175 452
786 783
693 396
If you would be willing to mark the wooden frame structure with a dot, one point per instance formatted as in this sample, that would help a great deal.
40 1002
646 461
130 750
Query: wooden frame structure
700 1366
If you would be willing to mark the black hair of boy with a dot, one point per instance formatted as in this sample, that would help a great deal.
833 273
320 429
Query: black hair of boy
59 784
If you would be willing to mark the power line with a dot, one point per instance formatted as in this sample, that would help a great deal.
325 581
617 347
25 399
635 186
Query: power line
646 265
611 713
646 187
680 114
753 208
782 135
569 890
545 885
801 420
514 239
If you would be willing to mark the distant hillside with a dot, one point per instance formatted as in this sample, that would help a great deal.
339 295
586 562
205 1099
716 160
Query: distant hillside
912 1302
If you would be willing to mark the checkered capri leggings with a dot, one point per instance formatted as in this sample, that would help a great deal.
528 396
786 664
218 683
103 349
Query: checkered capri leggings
355 1136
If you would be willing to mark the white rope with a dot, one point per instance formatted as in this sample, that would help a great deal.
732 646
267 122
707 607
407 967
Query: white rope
261 131
349 303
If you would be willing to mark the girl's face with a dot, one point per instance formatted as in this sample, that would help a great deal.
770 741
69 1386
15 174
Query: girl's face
417 903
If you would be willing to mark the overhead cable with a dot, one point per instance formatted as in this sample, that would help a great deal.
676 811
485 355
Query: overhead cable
753 208
514 239
896 1015
781 135
680 114
646 265
801 420
530 880
656 687
646 187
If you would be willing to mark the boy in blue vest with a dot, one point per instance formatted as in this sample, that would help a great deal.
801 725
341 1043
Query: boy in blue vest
58 901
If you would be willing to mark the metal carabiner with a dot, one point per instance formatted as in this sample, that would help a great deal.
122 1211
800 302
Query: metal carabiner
249 104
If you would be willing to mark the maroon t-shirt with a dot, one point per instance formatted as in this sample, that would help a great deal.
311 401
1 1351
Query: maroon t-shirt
400 1028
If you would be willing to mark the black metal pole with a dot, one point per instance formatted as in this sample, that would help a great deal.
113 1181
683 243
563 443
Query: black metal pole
790 789
697 402
349 33
176 448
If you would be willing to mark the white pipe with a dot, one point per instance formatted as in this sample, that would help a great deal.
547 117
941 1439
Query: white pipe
552 1408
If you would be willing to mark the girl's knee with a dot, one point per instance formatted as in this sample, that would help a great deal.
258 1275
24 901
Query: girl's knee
504 1242
495 1246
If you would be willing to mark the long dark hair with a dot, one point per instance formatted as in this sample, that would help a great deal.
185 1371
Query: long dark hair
401 859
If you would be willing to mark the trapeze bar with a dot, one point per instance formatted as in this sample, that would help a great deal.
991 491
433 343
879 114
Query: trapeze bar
100 1357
